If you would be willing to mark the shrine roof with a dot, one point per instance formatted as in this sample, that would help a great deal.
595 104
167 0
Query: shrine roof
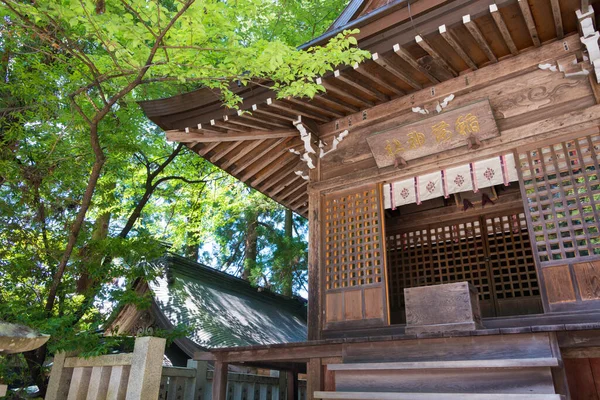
414 47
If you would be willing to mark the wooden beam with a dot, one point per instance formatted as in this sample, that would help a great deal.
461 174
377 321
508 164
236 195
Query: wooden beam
485 76
229 126
292 178
248 123
434 54
410 60
397 72
558 24
247 150
360 86
220 154
272 114
563 126
301 191
277 151
503 29
330 88
294 110
245 117
478 36
282 172
451 40
207 148
300 202
284 160
334 102
363 71
256 157
194 136
529 21
291 193
320 109
219 385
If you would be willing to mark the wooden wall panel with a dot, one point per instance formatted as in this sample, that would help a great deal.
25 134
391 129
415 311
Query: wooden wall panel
335 307
561 182
353 305
353 257
581 378
588 279
559 286
373 303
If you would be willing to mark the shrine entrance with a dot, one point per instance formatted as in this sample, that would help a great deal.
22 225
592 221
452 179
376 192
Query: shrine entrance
479 236
491 251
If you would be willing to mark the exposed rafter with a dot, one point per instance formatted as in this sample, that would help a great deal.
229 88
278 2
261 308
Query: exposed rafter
478 36
503 29
204 136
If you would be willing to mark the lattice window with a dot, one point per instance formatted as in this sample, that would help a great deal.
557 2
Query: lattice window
444 254
563 190
353 246
511 258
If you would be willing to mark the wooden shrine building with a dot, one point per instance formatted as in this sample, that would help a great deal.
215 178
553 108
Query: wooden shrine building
452 188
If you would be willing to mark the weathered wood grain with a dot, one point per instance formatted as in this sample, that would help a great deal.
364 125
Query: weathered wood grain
432 135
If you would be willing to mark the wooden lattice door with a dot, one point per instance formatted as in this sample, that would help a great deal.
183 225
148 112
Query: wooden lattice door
354 259
491 252
560 186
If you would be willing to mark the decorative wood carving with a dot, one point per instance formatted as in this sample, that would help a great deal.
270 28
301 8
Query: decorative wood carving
445 131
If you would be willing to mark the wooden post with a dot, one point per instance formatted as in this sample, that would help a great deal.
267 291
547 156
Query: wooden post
146 368
283 385
219 386
58 386
314 376
315 309
292 385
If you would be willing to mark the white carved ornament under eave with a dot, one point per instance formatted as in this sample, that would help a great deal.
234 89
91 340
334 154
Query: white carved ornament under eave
306 137
590 38
439 107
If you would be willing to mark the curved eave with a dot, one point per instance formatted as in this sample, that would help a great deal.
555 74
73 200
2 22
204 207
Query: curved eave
402 63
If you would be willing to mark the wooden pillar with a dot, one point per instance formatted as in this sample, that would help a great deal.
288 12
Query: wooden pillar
219 386
292 385
314 376
314 259
146 368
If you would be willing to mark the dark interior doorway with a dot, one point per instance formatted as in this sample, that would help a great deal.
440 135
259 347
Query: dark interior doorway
439 242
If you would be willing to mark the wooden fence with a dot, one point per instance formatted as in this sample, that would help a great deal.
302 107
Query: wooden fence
141 376
195 383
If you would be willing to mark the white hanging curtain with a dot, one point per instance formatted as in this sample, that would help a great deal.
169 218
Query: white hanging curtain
469 177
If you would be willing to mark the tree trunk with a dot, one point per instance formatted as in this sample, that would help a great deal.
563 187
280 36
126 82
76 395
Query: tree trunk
287 273
100 232
251 245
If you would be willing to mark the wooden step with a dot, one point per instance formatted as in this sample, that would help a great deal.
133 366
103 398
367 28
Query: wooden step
433 396
501 363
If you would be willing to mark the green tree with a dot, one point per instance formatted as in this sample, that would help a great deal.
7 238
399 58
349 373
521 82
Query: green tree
88 188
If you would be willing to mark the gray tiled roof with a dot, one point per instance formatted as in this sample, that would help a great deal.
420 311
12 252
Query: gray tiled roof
224 310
